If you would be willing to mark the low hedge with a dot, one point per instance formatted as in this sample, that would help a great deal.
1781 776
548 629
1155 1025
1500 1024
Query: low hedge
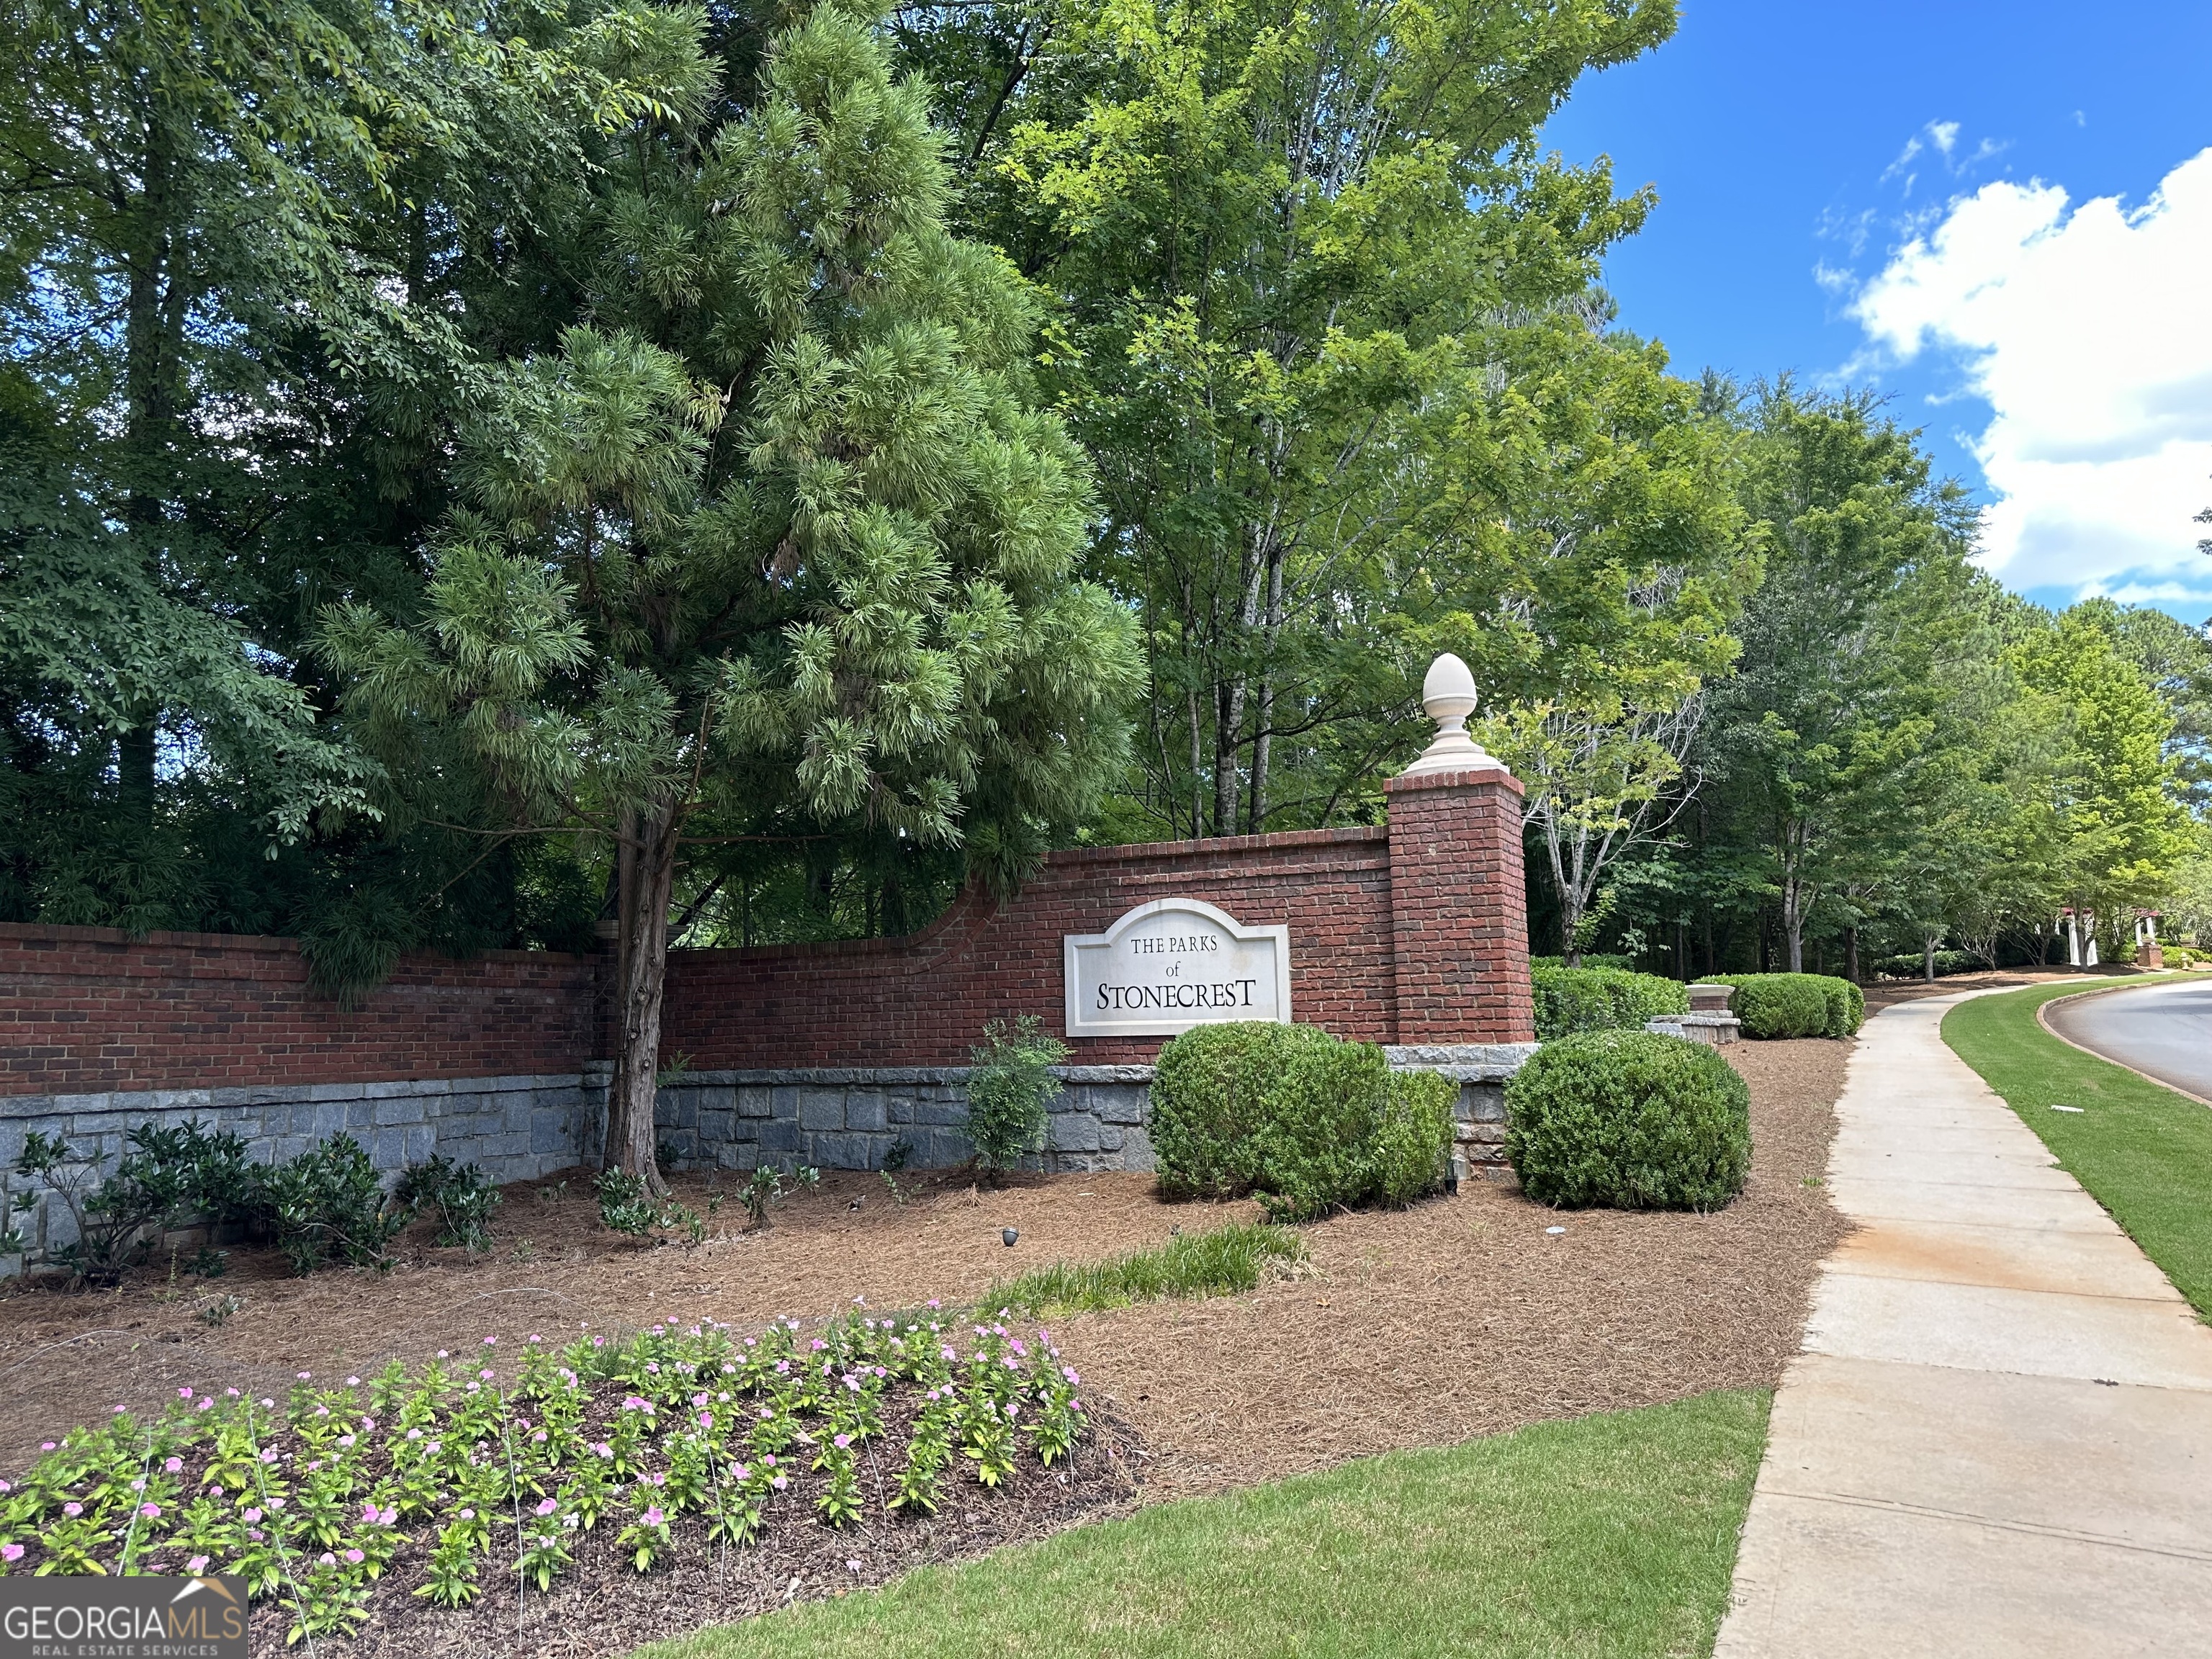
1794 1005
1631 1120
1308 1122
1569 999
1911 964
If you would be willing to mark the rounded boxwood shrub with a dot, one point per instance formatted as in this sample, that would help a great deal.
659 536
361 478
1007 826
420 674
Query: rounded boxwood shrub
1208 1090
1569 999
1792 1005
1631 1120
1308 1122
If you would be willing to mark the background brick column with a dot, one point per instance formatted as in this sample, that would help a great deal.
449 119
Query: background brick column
1459 913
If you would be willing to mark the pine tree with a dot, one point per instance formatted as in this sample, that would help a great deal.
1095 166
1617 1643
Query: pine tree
777 545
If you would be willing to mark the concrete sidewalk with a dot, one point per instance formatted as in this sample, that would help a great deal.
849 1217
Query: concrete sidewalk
1997 1439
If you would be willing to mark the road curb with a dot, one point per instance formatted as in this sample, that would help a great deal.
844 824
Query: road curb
2174 977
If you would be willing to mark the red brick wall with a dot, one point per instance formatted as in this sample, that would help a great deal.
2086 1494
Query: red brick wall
923 1002
89 1009
1412 934
1459 910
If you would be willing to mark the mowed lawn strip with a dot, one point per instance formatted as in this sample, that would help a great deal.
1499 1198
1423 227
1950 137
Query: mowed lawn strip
1611 1535
2143 1152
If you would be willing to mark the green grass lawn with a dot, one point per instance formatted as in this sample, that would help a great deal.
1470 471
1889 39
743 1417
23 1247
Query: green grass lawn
2143 1152
1611 1536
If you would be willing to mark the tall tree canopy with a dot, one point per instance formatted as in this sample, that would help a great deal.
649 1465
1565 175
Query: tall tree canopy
777 545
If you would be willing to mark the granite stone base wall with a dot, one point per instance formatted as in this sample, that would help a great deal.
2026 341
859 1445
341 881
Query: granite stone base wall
517 1128
850 1118
523 1128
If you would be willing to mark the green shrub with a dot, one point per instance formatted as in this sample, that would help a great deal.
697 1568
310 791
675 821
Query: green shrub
462 1194
1569 999
1631 1120
1311 1123
1010 1090
1911 964
1794 1005
1209 1087
1415 1135
167 1176
328 1205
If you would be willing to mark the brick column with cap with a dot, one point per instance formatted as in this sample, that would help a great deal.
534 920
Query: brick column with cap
1459 912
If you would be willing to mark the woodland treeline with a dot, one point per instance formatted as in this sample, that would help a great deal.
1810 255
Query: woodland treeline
503 475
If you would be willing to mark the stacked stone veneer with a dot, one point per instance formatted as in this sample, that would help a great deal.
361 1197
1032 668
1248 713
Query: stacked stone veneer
849 1118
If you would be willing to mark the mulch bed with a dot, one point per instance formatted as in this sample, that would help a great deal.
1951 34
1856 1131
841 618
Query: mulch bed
601 1608
1460 1317
1465 1317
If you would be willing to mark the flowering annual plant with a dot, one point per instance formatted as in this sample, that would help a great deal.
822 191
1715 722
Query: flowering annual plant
689 1439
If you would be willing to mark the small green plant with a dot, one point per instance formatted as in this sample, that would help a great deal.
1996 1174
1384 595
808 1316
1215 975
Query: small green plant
762 1188
1630 1120
1011 1089
328 1205
462 1195
217 1313
625 1206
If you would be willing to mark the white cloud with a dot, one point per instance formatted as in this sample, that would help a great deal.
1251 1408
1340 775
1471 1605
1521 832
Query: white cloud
2089 333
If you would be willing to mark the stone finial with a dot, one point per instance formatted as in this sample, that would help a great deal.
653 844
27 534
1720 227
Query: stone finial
1448 694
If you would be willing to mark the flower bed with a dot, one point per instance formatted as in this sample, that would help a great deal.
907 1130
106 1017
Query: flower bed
449 1496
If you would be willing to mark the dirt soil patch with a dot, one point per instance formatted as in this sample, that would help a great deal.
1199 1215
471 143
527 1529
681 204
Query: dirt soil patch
1888 992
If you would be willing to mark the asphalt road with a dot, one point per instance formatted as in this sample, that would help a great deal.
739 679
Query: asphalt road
2163 1030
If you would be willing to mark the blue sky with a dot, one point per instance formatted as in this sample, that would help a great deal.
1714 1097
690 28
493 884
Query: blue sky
1985 211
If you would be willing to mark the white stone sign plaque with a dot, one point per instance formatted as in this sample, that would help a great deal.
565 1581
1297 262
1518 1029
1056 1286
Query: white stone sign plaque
1174 964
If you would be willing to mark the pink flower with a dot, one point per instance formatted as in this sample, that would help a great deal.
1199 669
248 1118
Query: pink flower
202 1405
253 1515
1068 1372
741 1472
851 1566
491 1342
187 1394
72 1509
705 1419
327 1558
842 1441
547 1507
149 1511
197 1566
353 1382
11 1553
653 1517
172 1465
306 1376
355 1557
779 1482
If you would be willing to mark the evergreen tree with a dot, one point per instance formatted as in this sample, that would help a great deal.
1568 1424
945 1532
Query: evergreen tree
776 547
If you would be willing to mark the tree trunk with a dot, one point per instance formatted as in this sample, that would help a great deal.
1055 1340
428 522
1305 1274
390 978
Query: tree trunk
1851 954
1928 957
646 869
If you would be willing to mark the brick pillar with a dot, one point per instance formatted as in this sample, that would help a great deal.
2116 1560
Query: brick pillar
1458 913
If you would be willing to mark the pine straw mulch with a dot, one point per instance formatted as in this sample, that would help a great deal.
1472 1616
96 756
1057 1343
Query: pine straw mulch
1460 1317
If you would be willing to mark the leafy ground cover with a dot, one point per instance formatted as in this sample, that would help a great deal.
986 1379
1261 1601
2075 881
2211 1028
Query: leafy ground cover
2143 1152
1219 1261
1612 1534
442 1506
